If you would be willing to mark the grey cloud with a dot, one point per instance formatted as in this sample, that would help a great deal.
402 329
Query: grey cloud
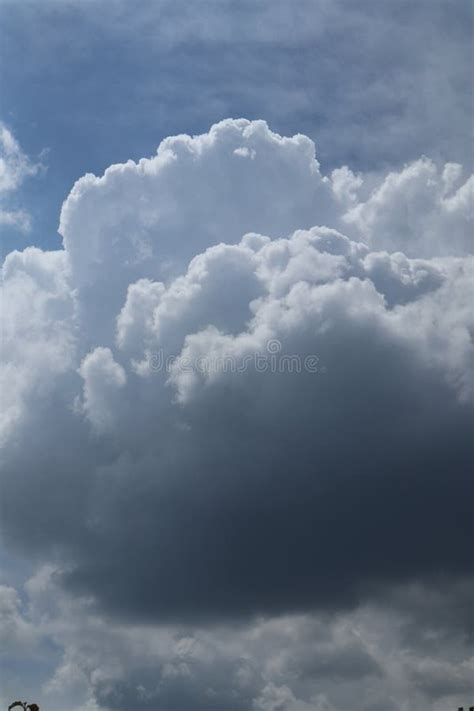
203 497
330 662
434 616
202 520
438 680
357 658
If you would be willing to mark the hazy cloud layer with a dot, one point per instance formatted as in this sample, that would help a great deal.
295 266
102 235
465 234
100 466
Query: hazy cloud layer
397 655
246 389
15 167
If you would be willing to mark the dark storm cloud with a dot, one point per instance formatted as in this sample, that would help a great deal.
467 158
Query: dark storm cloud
224 498
186 494
326 500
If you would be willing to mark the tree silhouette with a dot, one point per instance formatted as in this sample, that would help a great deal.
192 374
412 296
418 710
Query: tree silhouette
24 706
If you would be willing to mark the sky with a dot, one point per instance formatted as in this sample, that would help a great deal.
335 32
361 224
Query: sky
236 355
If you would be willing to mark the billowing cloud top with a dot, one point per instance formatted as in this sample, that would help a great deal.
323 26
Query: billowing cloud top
242 386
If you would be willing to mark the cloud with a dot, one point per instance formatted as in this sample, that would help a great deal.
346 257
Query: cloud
15 167
17 636
37 339
292 662
14 164
237 410
420 210
17 218
103 378
153 216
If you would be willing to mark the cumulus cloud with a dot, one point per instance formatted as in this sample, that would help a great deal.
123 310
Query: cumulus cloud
421 210
103 378
238 409
37 338
152 217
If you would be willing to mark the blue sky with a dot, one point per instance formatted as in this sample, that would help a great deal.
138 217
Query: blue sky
92 83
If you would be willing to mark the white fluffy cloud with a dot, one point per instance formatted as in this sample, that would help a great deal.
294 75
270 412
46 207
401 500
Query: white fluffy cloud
37 333
103 379
421 210
206 379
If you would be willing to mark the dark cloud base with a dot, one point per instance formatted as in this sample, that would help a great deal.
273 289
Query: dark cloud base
220 525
